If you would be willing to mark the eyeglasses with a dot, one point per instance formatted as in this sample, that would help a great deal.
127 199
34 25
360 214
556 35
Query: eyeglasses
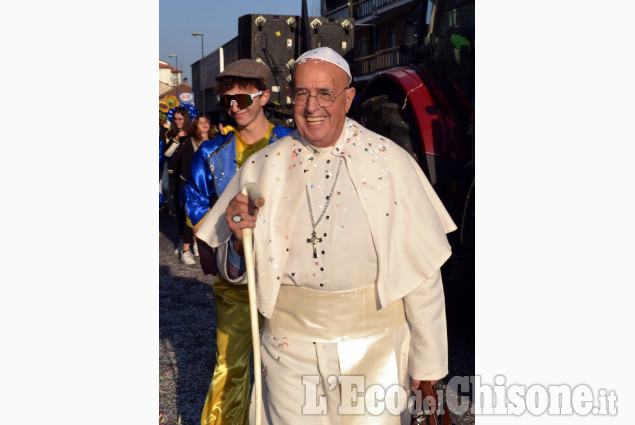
324 98
241 100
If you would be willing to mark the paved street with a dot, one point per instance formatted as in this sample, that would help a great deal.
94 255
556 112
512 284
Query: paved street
187 331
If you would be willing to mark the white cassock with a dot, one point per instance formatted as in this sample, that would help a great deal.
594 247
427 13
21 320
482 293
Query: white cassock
345 331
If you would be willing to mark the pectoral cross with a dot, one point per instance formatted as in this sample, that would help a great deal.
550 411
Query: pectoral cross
314 240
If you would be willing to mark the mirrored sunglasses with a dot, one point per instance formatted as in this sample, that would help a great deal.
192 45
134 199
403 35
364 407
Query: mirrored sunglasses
241 100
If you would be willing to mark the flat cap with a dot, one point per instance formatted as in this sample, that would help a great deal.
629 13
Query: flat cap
246 68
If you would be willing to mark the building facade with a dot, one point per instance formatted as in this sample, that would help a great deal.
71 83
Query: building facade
384 29
169 77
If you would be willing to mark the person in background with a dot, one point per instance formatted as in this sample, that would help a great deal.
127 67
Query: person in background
243 89
348 250
161 164
162 138
203 130
177 137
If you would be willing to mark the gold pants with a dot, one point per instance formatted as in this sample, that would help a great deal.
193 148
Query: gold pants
227 401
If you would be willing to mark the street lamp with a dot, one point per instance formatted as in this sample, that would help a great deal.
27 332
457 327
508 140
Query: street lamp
177 73
202 67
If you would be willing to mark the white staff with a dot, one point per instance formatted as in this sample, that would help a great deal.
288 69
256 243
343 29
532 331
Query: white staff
253 192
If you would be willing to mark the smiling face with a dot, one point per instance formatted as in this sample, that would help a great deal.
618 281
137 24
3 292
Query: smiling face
245 116
321 126
202 128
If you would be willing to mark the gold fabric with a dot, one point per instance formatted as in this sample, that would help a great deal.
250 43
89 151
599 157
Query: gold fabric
227 401
244 149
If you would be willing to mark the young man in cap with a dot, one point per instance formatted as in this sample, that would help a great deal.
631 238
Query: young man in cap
243 91
348 249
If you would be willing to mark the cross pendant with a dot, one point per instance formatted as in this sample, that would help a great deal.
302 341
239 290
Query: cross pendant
314 240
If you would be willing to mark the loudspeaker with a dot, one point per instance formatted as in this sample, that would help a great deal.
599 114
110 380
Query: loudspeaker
272 40
338 34
275 41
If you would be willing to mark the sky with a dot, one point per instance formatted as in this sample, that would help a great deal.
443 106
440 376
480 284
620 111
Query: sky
217 20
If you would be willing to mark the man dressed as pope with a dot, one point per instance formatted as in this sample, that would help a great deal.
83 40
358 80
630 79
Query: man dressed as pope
348 249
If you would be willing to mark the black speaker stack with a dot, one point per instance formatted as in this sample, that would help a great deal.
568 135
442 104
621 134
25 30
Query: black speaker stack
277 40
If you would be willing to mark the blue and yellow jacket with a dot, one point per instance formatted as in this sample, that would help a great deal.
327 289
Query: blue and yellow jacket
213 166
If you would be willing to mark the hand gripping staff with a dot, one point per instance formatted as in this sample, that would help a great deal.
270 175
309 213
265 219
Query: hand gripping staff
253 192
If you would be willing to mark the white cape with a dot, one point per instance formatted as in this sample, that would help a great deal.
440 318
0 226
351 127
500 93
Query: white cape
407 220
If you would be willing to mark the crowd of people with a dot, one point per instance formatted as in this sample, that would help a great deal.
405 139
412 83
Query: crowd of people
177 145
349 247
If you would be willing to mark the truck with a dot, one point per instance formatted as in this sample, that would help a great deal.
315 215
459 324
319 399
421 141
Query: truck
426 106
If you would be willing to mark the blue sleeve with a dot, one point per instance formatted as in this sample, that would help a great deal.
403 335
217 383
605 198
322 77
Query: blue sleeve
199 190
236 266
280 132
